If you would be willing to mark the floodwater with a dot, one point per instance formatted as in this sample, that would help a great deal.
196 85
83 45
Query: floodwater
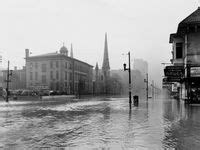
99 123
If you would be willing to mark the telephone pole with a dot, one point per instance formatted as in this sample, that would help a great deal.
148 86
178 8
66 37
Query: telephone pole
147 88
7 81
152 89
129 70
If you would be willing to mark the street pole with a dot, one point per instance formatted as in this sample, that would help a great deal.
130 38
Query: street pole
7 82
152 89
147 88
129 70
129 77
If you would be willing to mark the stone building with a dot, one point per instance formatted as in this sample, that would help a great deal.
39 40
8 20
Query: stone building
186 56
102 76
58 72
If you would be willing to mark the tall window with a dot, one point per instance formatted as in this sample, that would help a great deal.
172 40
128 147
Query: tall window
36 76
31 76
57 65
179 50
57 75
51 75
44 79
66 65
51 64
70 76
57 85
70 66
65 75
31 66
65 84
44 67
36 65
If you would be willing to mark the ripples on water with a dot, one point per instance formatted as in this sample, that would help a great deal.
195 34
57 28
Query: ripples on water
99 123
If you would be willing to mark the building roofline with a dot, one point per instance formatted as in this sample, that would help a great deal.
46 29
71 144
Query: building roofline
54 55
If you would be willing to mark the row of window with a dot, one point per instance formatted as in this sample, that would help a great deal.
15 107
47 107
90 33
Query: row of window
51 75
44 66
81 68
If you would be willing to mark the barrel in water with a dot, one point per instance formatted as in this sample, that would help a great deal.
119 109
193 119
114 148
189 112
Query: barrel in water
136 100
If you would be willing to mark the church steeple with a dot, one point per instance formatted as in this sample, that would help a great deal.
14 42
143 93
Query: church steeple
106 65
71 53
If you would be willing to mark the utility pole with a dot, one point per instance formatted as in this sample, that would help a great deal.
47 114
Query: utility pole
147 88
7 81
129 70
152 89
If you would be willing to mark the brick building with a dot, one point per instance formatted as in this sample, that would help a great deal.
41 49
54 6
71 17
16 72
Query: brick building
59 72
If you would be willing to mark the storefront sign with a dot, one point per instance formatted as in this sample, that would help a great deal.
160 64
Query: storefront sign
172 79
174 71
195 71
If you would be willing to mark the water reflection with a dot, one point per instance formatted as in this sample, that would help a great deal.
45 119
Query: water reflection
182 125
100 123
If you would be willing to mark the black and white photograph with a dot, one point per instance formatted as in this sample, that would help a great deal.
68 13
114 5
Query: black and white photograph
99 75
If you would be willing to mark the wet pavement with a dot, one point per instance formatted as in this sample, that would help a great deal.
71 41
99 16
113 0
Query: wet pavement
99 123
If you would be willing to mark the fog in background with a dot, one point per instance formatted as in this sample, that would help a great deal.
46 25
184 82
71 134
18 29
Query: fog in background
140 26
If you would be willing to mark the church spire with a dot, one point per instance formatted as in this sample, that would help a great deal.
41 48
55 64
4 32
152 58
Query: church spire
106 66
71 54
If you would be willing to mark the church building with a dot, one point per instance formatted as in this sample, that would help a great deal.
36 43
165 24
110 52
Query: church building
102 76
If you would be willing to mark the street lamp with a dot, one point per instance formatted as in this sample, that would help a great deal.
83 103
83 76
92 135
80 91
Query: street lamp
129 70
9 73
147 88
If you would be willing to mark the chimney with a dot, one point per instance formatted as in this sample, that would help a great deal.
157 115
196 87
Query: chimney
27 53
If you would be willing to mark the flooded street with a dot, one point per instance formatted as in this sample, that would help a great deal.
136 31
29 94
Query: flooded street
103 123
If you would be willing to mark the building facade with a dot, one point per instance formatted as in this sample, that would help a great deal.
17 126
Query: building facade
17 78
58 72
1 73
186 57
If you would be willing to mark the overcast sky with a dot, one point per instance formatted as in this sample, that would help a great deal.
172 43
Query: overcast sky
140 26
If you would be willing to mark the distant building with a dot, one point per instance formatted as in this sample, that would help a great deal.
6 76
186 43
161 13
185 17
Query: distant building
137 81
58 72
17 79
141 65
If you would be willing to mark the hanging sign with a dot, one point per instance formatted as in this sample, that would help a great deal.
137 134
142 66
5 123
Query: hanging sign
195 71
174 71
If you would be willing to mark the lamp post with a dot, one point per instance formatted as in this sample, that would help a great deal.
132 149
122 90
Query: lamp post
147 88
129 70
9 73
152 85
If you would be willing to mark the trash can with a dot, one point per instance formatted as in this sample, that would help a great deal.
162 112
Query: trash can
135 100
15 97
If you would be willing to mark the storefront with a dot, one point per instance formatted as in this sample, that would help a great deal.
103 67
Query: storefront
174 75
192 84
